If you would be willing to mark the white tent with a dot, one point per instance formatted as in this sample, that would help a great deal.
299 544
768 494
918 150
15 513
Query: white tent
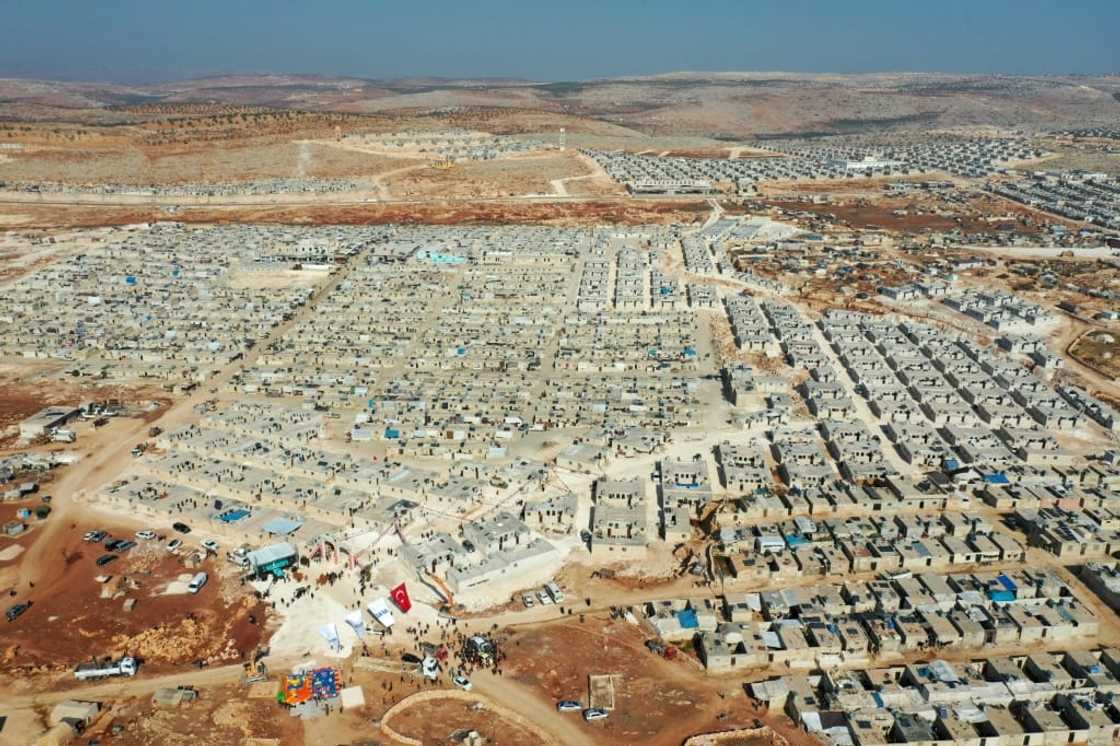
354 619
330 634
379 608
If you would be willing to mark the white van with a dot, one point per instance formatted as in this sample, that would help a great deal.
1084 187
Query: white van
197 582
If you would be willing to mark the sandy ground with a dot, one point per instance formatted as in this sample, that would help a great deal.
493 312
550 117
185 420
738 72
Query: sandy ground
9 553
275 280
464 211
298 634
506 177
193 164
456 715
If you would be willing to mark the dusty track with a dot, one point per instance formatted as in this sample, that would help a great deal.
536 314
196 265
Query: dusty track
543 722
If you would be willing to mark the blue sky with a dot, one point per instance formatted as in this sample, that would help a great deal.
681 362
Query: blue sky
153 40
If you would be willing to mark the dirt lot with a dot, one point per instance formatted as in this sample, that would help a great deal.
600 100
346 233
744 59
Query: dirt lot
70 620
910 215
497 178
21 397
464 212
718 153
656 701
205 163
866 187
221 715
276 279
454 716
1099 350
1084 158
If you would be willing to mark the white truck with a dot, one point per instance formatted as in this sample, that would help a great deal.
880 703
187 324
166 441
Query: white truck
239 556
554 591
88 671
197 582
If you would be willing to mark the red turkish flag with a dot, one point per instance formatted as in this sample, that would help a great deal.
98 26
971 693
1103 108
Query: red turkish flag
400 598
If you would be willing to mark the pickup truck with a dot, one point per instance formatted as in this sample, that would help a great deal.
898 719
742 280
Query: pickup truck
554 591
88 671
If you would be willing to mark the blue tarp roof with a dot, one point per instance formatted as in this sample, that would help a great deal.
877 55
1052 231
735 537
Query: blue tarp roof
687 618
282 526
233 514
1006 582
997 478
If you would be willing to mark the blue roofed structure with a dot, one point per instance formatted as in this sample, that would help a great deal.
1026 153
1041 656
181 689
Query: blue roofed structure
282 526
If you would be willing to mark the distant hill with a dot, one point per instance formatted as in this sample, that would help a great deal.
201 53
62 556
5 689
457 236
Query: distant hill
728 104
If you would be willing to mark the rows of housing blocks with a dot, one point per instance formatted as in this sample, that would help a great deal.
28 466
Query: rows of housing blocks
797 161
387 347
241 188
1038 699
882 619
451 144
257 471
167 303
441 349
1089 197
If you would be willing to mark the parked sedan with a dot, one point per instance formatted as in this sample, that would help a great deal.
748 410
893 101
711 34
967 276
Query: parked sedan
106 559
594 713
174 544
181 527
461 681
146 534
568 705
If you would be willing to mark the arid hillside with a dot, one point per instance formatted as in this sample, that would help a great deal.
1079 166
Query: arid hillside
730 105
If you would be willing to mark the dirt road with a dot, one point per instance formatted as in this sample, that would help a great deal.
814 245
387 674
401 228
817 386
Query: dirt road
568 729
115 689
